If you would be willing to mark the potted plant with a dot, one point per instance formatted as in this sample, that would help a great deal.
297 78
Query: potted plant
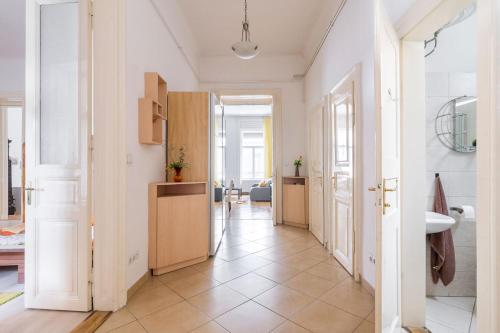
178 165
298 164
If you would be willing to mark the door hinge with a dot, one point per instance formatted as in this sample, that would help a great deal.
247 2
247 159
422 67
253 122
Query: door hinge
91 14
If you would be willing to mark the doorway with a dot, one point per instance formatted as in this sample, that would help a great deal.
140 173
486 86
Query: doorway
243 161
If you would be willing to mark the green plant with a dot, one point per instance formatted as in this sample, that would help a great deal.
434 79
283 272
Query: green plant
179 163
298 162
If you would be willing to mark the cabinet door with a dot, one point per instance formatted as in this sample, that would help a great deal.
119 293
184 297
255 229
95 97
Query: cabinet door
182 229
294 204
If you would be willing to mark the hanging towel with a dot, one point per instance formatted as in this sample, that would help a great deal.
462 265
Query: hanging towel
442 248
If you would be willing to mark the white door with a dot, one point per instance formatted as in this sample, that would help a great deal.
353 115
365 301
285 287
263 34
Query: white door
316 220
57 228
388 175
342 173
217 158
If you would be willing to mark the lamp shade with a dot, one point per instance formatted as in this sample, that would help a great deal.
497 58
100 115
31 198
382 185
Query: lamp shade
245 49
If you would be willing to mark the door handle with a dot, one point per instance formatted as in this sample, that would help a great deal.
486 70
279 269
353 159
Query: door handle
28 190
372 189
385 204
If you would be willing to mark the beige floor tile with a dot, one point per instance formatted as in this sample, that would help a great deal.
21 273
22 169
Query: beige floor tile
277 272
251 262
333 273
290 327
119 318
178 274
210 327
310 284
251 247
251 284
250 318
331 261
226 272
323 318
207 266
181 317
217 301
230 254
275 253
366 327
149 300
300 262
133 327
192 285
283 300
351 297
317 251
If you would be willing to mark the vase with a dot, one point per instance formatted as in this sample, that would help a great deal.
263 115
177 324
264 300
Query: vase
178 175
297 174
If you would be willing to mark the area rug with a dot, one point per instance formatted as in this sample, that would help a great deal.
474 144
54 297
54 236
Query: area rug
5 297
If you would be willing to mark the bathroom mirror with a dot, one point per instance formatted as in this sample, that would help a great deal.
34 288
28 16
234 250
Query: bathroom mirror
455 124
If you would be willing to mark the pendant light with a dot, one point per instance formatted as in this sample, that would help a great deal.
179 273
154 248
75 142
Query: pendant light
245 49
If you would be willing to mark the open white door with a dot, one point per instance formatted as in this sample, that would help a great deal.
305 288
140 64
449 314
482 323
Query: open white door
316 169
217 171
388 286
342 173
57 228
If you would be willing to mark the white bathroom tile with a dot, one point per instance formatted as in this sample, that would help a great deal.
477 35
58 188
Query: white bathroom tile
435 327
462 84
463 285
441 159
436 84
464 303
465 258
432 106
449 316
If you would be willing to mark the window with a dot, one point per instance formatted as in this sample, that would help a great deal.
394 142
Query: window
252 155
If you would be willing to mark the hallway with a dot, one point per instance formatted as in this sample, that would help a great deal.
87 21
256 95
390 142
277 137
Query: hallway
263 279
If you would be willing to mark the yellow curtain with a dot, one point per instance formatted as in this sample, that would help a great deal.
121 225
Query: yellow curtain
268 147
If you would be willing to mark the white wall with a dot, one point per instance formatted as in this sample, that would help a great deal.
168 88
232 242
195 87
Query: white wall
350 42
274 72
150 47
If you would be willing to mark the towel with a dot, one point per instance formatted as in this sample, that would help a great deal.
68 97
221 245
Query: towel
442 248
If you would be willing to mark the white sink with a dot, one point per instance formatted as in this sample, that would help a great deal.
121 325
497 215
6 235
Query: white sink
436 222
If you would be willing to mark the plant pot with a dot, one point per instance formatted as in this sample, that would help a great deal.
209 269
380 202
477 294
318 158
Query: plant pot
178 175
297 173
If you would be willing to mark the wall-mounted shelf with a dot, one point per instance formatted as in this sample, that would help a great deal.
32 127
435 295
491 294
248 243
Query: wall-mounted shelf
152 109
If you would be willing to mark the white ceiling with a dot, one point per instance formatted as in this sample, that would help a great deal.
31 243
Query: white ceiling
12 13
278 26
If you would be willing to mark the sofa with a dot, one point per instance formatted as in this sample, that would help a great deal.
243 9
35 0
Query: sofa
261 193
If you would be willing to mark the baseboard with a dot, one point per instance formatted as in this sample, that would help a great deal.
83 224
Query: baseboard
138 284
367 286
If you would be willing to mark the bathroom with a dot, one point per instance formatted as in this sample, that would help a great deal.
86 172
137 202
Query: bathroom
450 67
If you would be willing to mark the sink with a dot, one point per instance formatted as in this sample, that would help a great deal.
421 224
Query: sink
436 222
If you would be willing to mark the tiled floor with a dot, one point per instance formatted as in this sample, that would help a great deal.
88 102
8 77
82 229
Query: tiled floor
263 279
451 314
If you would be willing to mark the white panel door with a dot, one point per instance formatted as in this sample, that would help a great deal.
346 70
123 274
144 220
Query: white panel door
388 308
316 168
57 228
219 205
342 173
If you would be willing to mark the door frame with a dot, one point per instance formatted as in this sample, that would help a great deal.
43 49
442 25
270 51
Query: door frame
425 17
353 75
277 195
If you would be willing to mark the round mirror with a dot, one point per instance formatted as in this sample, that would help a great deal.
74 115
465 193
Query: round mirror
456 124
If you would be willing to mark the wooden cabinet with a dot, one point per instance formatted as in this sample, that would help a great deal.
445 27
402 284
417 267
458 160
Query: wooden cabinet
178 225
152 109
295 201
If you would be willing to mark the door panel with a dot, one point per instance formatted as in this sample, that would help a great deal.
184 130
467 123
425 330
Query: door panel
388 307
342 170
316 167
57 228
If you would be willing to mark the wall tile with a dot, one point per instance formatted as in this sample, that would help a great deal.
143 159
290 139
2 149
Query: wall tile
461 84
436 84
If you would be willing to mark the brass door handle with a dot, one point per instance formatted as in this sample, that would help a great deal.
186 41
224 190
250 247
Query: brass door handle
372 189
385 189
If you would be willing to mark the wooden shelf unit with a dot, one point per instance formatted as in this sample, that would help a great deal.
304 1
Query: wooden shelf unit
178 225
152 109
296 201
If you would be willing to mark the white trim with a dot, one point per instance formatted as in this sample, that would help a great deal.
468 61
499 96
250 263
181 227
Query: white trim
488 163
110 291
4 158
277 142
